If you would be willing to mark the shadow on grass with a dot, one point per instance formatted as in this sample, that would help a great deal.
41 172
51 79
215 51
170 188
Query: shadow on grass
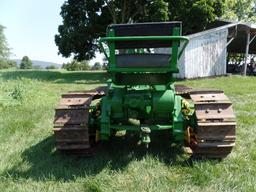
87 77
44 163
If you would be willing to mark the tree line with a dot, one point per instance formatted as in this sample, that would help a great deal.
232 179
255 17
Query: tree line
26 63
76 65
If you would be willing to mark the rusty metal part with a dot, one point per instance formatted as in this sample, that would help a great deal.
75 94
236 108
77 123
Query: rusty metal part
182 89
215 133
71 127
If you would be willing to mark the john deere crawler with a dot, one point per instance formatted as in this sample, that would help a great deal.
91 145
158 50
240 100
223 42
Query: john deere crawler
141 97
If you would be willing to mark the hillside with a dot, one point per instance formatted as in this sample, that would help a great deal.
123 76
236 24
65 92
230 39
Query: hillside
42 64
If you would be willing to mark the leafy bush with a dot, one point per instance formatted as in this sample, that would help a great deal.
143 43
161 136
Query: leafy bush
76 66
6 64
17 93
51 67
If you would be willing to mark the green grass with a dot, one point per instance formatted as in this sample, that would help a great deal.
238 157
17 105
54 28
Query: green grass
29 162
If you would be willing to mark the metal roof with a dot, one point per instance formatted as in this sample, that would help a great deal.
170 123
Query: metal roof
237 35
238 45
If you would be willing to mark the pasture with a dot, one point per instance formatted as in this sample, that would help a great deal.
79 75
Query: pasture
29 162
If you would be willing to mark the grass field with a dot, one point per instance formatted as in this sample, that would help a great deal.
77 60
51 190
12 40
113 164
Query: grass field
28 161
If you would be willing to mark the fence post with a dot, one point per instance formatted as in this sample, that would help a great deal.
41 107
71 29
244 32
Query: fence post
246 52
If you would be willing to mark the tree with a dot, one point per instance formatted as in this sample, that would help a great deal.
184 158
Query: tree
26 63
85 21
240 10
195 14
4 50
5 62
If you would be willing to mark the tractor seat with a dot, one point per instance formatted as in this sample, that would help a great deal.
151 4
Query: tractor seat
142 60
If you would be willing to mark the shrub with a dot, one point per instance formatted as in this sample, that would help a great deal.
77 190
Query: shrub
17 92
6 63
51 67
76 66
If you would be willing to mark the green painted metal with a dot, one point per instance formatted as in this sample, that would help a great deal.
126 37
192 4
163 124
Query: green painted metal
176 54
138 127
111 45
142 106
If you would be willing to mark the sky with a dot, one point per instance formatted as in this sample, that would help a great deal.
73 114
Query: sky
30 26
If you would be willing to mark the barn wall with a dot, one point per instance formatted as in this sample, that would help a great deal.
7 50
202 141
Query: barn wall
205 55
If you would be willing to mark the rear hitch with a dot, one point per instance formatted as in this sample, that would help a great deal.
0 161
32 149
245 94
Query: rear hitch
144 136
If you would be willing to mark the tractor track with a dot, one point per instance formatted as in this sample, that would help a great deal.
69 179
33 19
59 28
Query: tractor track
215 132
71 126
213 137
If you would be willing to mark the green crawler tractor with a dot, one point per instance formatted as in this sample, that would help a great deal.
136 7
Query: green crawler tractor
141 98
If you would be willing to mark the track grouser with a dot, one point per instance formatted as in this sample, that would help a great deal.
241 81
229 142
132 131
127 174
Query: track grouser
141 98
